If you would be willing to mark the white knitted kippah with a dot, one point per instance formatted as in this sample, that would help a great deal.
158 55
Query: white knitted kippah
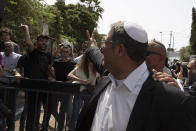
136 32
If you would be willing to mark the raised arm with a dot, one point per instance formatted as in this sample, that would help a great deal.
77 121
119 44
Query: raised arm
28 41
94 54
58 50
51 73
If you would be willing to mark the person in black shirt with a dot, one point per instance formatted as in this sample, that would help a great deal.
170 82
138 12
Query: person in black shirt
37 66
62 67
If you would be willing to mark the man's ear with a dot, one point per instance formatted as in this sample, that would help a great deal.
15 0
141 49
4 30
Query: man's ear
121 50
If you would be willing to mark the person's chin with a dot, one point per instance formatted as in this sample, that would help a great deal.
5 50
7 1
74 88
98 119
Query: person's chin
43 49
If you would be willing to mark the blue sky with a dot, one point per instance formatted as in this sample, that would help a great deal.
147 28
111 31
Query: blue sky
154 15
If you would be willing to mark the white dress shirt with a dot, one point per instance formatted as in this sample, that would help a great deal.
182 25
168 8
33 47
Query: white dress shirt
117 101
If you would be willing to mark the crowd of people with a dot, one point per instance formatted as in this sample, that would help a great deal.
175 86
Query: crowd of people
133 87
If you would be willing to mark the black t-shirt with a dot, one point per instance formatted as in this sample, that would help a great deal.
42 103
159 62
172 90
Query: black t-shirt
35 64
62 69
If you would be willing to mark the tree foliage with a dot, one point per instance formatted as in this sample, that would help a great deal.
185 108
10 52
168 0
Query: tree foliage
185 53
193 32
22 11
66 21
78 18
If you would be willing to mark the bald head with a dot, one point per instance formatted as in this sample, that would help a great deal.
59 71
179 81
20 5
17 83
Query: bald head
156 55
158 47
191 71
192 65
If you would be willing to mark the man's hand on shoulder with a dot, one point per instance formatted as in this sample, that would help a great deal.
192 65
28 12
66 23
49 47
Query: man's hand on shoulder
164 77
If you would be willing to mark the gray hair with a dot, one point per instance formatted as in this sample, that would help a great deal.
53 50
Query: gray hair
66 42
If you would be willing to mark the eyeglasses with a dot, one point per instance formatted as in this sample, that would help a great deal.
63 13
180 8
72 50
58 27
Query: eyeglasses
152 52
109 41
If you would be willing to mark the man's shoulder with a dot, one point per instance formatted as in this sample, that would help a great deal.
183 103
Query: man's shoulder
164 88
37 52
14 43
170 95
164 92
17 54
71 61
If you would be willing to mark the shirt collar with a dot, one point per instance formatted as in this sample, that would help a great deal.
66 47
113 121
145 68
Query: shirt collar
9 54
135 76
116 83
132 79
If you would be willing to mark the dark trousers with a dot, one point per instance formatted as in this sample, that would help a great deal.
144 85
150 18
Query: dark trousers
78 102
24 114
9 99
51 110
34 101
66 107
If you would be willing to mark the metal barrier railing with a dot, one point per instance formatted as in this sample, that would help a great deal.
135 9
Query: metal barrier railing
41 92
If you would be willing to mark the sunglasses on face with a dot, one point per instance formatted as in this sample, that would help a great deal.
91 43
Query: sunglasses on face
152 52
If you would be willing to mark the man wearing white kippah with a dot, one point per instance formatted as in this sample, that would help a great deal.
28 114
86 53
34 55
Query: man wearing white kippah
128 99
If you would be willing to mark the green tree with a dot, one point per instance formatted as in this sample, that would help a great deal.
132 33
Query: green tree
52 16
94 6
185 53
65 21
193 32
22 11
76 20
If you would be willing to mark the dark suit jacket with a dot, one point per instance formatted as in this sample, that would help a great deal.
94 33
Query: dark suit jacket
159 107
